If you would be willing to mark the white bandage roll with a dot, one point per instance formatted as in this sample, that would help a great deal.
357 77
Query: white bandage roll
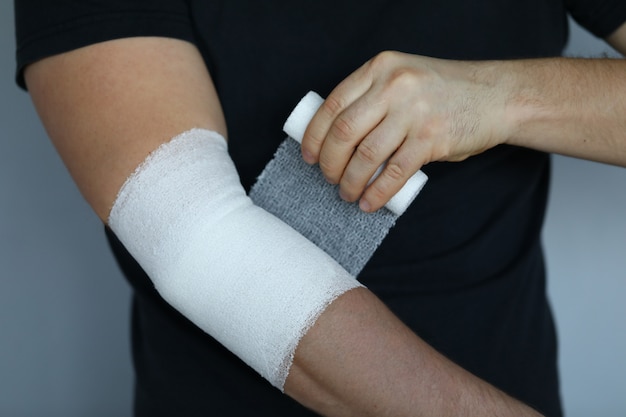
237 272
297 123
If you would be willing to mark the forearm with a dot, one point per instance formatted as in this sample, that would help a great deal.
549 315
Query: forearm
360 360
570 106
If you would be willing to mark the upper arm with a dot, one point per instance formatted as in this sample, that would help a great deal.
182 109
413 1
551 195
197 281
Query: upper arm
106 106
618 39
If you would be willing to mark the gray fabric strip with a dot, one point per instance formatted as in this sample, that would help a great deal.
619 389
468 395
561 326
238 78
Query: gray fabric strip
298 194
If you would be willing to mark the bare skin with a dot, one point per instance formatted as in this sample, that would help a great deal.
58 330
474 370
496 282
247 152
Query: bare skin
413 110
380 368
107 106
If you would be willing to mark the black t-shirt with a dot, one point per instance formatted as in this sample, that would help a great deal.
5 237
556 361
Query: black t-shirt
463 267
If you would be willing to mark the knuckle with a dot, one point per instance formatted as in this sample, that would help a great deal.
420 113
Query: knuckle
404 78
431 128
377 192
383 59
367 153
395 170
332 106
312 139
343 129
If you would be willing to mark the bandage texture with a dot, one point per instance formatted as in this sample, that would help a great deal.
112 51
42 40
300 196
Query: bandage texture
237 272
298 194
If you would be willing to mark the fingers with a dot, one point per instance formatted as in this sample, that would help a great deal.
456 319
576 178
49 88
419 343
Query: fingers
340 99
364 124
345 136
352 135
370 155
406 161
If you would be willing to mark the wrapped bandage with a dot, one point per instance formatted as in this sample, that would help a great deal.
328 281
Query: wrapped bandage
236 271
298 194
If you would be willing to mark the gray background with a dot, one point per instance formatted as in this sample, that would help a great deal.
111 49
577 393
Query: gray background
64 305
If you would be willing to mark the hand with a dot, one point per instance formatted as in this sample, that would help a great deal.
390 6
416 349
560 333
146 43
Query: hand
407 110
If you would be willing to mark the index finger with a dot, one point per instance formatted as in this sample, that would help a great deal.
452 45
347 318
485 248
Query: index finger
344 94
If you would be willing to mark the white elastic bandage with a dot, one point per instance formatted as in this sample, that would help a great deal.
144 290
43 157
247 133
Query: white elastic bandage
296 125
237 272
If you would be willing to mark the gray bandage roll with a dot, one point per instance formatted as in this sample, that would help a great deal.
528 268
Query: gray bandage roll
298 194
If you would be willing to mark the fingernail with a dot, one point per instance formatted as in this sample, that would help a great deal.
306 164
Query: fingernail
365 205
308 157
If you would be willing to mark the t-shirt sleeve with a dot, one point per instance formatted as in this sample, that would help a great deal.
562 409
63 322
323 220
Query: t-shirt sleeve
48 27
600 17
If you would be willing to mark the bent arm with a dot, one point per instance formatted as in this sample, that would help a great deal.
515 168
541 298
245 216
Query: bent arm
107 106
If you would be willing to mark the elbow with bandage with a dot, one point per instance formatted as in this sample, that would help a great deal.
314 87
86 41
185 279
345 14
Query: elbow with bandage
236 271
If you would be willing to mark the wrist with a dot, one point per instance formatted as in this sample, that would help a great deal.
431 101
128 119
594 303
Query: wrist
513 102
524 107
